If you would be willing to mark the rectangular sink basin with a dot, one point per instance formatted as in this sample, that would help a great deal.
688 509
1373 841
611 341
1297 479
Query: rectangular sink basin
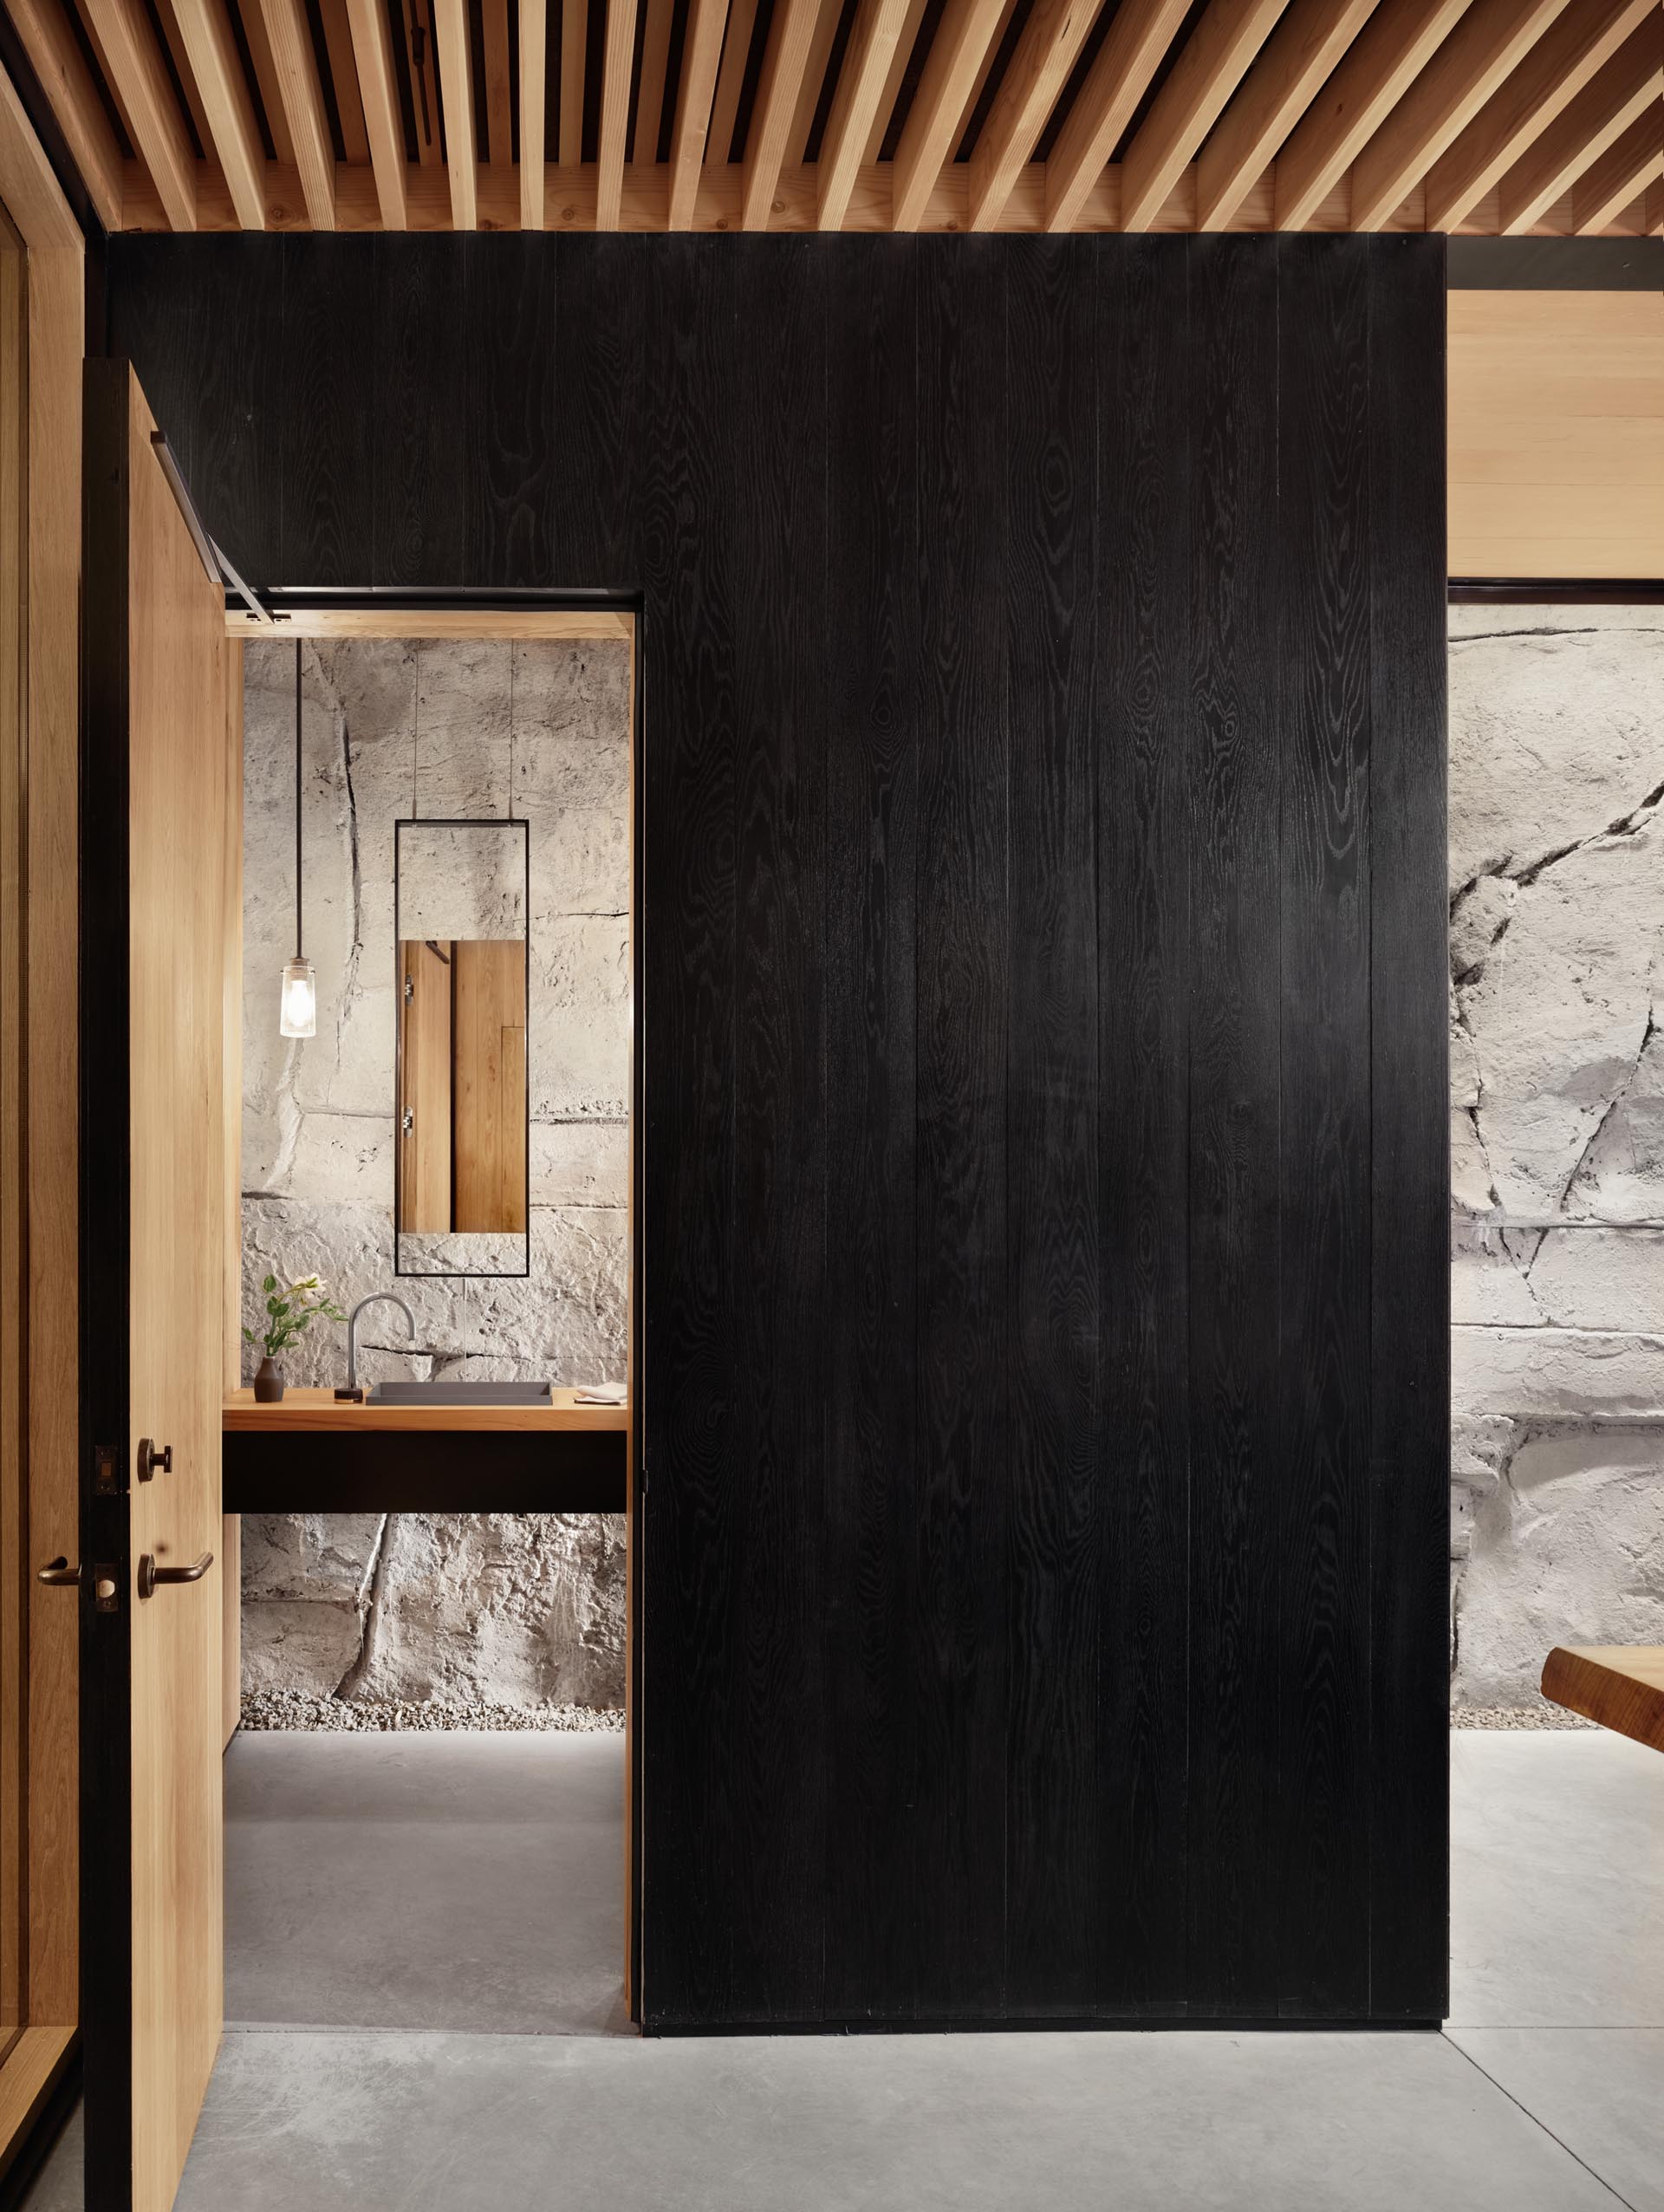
460 1394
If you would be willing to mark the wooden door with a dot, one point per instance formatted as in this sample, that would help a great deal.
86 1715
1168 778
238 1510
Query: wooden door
489 1059
155 807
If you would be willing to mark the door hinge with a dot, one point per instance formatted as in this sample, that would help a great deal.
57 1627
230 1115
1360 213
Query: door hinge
109 1472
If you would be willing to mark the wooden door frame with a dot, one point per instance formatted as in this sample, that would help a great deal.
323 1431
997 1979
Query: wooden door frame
451 616
36 2066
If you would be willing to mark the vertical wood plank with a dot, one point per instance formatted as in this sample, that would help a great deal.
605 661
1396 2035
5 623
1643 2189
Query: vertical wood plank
326 440
1323 1541
236 395
691 1777
1235 729
778 464
419 431
1143 647
600 486
1052 1089
1410 1826
510 378
872 673
963 1568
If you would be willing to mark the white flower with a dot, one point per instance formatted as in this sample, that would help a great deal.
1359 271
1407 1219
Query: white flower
306 1283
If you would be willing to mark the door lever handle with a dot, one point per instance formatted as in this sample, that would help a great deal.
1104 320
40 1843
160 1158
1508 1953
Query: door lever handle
152 1456
151 1576
58 1573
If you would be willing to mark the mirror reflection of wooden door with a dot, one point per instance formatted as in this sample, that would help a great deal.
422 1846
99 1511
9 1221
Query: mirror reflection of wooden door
157 794
490 1056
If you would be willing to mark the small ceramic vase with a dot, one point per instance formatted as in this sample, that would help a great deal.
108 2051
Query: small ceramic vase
268 1382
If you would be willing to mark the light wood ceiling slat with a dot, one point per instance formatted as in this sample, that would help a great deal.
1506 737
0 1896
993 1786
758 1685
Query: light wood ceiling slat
892 91
701 54
1385 60
791 36
730 79
534 60
343 76
62 67
1480 53
575 31
655 63
251 14
167 21
135 64
1631 81
1623 172
1557 68
1034 79
861 82
378 90
494 46
814 81
1654 216
421 46
1298 58
217 68
302 98
1118 79
457 100
1215 59
963 37
618 59
973 98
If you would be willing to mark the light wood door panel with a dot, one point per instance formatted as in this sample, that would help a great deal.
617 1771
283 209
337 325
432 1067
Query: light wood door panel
154 1028
489 1059
425 1087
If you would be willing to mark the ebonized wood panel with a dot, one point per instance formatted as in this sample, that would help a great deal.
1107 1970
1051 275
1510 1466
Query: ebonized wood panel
1042 1018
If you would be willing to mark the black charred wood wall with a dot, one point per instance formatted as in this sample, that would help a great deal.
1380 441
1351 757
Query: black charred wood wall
1042 899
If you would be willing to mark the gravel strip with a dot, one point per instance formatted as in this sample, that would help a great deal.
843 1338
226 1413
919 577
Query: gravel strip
294 1709
1540 1715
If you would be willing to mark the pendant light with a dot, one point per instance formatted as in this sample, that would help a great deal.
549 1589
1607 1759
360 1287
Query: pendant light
300 1002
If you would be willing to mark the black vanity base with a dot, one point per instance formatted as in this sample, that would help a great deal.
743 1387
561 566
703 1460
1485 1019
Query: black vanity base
426 1471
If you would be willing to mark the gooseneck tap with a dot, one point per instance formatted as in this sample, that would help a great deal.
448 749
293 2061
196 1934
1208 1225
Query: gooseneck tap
376 1298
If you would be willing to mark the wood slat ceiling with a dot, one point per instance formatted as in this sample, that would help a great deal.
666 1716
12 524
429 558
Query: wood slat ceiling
1481 116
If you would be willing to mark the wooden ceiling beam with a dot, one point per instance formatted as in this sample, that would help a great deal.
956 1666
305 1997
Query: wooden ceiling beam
575 31
1550 76
1482 51
1622 173
1299 57
964 34
251 15
377 89
618 59
1047 50
343 76
1381 64
65 78
791 38
814 81
302 97
139 80
456 107
892 91
494 56
655 64
865 72
1139 35
1622 89
701 57
1215 59
1654 209
217 68
731 80
534 63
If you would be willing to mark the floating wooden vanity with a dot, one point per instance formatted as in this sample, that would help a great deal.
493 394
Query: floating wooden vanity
314 1453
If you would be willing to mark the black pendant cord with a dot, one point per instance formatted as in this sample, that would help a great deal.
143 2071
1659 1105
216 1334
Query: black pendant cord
299 941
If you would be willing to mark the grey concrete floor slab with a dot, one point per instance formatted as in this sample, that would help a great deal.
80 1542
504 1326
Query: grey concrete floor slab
1556 1880
464 1881
389 1895
1600 2090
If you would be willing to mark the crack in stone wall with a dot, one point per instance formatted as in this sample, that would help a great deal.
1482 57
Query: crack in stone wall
1557 1117
463 1609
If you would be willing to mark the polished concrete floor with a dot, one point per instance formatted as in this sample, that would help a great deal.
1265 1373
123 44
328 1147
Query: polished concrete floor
422 1946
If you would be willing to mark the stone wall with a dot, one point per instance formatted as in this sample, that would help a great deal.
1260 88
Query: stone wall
1557 879
460 1609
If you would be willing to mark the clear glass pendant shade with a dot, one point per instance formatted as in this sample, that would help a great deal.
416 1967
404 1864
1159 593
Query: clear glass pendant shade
300 1015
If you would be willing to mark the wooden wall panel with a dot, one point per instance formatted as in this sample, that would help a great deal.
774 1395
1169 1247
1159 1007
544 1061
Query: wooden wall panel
1024 632
1557 434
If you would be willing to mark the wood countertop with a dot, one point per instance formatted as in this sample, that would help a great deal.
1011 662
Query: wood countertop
304 1411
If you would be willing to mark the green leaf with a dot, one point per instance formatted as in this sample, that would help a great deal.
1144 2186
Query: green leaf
271 1283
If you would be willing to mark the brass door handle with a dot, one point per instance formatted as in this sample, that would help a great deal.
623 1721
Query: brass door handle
150 1575
58 1573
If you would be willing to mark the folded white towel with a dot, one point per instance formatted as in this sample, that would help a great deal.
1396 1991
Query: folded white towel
601 1393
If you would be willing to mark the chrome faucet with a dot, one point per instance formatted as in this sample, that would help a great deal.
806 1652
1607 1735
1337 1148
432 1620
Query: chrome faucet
376 1298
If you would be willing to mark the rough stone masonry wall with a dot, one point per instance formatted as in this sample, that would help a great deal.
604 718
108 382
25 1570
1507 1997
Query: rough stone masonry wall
458 1609
1557 879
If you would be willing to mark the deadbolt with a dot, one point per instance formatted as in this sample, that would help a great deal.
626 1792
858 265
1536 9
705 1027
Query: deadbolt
150 1458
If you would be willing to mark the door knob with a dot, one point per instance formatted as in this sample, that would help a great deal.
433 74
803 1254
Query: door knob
150 1577
150 1458
59 1573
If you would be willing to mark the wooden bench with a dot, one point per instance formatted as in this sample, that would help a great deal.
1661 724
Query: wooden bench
1619 1686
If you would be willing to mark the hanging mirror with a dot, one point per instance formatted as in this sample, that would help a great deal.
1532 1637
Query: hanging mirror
462 1181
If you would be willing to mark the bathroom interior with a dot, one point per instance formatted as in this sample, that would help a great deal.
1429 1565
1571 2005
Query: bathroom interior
433 1212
